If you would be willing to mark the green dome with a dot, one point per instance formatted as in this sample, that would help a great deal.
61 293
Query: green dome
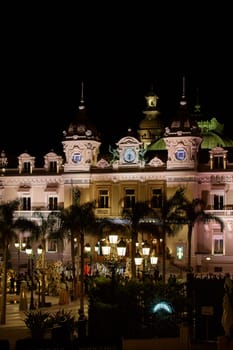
211 140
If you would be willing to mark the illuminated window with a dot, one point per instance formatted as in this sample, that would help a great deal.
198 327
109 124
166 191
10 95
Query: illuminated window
179 252
218 244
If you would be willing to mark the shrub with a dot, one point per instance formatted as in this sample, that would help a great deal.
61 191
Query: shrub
37 319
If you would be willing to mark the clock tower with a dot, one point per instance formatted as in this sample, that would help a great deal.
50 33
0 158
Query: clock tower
182 139
81 142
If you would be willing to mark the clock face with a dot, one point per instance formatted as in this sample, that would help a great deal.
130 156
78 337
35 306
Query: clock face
76 157
129 155
88 132
180 154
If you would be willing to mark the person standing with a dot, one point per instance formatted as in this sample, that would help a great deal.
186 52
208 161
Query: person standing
64 292
23 303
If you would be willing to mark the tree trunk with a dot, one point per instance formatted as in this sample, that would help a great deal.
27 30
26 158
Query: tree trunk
190 229
133 252
164 258
4 284
81 272
43 264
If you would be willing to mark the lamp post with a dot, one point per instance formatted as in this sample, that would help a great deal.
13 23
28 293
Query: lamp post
87 249
145 253
41 252
30 255
145 258
114 252
19 246
41 297
138 261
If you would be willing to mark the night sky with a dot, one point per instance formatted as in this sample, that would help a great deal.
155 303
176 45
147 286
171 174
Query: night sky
118 54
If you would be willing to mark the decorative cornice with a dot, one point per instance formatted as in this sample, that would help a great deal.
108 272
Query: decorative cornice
32 181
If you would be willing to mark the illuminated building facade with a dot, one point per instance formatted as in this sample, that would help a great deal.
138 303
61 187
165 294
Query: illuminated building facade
147 165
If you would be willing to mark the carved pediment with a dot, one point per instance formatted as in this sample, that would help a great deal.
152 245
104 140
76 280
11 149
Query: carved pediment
156 162
102 163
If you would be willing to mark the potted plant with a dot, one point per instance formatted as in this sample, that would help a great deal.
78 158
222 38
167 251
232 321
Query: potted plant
38 322
63 324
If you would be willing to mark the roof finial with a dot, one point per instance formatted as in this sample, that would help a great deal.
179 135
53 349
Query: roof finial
183 88
183 101
81 106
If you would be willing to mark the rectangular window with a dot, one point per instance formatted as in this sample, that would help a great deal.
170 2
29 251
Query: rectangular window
26 203
53 167
218 244
53 203
218 202
156 200
52 245
218 162
130 198
26 167
103 199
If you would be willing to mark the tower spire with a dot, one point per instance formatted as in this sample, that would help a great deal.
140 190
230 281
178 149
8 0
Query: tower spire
82 106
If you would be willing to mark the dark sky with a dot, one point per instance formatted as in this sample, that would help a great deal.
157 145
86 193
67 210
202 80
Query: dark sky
48 51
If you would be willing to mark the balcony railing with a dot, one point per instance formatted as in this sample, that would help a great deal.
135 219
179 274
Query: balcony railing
223 212
30 214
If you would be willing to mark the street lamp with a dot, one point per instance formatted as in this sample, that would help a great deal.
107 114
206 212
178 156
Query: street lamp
145 253
114 253
138 261
30 255
145 258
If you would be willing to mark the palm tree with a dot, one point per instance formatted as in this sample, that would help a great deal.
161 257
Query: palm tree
167 222
138 211
75 221
8 231
45 228
194 213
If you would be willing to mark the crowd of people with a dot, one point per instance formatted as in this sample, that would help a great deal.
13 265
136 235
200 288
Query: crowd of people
20 284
